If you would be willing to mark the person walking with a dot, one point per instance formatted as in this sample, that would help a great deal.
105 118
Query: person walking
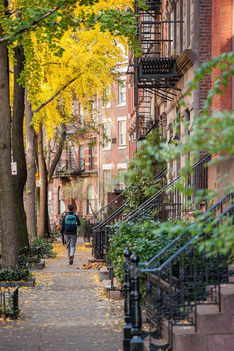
69 228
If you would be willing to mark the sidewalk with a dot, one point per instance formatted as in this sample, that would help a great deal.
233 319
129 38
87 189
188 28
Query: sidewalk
66 310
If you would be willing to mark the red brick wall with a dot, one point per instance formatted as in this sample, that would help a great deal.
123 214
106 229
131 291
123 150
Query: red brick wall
222 18
205 44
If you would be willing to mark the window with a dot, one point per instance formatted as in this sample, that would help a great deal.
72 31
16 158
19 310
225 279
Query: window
106 183
122 133
122 92
121 181
81 158
92 154
61 206
90 200
107 132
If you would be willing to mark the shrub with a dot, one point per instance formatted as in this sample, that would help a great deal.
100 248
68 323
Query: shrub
38 249
147 236
15 275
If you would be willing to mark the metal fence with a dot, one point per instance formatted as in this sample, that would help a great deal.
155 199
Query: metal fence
174 288
101 232
185 280
9 301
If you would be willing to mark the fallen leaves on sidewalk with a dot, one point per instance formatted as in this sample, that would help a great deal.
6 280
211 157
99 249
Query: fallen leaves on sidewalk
92 265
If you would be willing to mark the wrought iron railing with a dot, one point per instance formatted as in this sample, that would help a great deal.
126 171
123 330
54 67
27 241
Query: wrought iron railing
216 210
100 233
107 210
119 213
185 280
66 170
9 305
166 203
169 202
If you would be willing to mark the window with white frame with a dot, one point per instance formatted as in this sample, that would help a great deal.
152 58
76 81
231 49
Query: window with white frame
107 139
122 168
107 187
122 92
61 206
121 180
122 133
90 200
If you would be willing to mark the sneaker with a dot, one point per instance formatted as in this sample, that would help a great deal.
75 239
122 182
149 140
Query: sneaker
71 260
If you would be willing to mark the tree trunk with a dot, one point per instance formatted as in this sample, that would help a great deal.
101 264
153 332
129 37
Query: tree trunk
8 222
59 150
45 177
31 169
43 208
19 180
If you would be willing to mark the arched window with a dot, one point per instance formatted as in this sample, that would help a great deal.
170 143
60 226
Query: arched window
90 199
61 205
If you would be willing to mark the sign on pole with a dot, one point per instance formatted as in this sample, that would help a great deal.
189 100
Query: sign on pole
14 168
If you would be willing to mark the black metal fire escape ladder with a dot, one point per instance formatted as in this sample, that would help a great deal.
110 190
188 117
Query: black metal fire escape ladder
155 72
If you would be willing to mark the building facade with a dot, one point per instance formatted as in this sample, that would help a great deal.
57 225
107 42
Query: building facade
91 170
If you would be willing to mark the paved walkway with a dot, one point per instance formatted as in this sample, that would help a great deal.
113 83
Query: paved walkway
66 310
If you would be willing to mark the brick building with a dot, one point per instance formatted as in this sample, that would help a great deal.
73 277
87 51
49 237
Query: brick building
91 170
176 37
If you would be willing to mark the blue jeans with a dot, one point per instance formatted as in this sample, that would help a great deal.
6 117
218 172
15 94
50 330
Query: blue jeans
71 244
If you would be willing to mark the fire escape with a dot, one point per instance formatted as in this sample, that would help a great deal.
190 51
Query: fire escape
70 168
155 71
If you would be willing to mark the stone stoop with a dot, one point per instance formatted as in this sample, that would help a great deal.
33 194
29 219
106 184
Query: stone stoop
215 330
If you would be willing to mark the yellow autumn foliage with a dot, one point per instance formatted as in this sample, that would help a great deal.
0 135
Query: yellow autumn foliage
90 58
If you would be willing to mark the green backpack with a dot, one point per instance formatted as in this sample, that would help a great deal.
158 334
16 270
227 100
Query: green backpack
70 223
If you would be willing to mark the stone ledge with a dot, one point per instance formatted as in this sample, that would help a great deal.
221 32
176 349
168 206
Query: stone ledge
103 274
114 293
37 265
27 283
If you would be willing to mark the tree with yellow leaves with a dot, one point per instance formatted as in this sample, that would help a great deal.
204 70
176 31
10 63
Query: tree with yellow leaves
23 25
86 68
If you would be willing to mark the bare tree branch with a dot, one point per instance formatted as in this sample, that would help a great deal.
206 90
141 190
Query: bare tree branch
55 95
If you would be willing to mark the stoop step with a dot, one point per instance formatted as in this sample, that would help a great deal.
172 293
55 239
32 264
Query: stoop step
156 343
210 321
227 298
185 338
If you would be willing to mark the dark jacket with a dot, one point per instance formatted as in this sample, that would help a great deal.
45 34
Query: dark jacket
63 231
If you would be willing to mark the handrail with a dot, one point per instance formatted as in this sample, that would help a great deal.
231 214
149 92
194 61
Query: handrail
166 187
183 248
106 206
118 211
203 217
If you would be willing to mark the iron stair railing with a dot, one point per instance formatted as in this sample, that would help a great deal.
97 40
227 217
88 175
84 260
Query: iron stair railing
185 280
119 213
168 201
217 209
99 237
101 215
